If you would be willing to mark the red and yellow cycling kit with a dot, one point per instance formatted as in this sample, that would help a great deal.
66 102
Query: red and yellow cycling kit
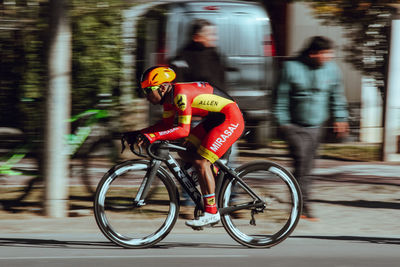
221 126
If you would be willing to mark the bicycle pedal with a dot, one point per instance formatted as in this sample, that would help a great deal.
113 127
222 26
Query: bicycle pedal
198 228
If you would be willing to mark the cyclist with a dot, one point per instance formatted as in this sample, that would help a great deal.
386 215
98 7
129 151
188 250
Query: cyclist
222 124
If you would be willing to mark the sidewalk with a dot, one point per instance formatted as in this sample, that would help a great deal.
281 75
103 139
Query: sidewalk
350 198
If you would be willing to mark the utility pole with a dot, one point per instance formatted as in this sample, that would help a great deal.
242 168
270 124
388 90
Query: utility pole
391 129
58 111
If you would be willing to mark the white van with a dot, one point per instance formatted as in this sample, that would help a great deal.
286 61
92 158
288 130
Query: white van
245 39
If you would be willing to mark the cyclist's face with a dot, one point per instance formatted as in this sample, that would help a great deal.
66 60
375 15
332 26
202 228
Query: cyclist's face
207 36
154 97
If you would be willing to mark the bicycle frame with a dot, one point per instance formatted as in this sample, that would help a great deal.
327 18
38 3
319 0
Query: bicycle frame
188 185
174 167
228 173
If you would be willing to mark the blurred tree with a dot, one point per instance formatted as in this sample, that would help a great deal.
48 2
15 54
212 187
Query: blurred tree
96 67
278 14
367 24
97 48
22 72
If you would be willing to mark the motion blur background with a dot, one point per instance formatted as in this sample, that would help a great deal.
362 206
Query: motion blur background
105 54
104 42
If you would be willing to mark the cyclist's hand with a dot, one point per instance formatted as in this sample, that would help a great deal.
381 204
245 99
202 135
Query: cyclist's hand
129 138
142 141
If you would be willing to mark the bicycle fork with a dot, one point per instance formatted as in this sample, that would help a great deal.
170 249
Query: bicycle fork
146 183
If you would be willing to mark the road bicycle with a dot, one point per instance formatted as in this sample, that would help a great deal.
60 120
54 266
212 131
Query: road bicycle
137 201
91 148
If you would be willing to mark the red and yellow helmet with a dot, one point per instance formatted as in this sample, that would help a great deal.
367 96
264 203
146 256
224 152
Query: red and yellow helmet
157 75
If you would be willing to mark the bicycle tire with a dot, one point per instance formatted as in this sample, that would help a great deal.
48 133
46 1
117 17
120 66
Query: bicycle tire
93 162
275 220
133 225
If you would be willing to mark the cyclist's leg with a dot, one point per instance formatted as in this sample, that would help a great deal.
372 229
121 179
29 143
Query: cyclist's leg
193 142
196 138
214 144
203 168
186 163
221 137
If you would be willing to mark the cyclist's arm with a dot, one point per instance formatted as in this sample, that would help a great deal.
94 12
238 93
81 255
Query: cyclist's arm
167 121
173 133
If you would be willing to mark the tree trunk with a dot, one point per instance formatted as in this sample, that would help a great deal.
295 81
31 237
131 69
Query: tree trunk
58 111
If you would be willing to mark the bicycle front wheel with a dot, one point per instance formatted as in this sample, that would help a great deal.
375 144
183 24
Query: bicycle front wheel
94 161
127 220
266 222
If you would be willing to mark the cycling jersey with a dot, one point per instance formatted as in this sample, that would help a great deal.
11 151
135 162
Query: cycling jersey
222 125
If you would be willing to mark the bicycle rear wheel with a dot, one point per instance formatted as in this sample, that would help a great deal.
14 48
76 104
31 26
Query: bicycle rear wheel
260 224
128 222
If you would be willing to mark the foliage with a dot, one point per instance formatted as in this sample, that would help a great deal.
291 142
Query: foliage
367 24
22 74
97 46
96 66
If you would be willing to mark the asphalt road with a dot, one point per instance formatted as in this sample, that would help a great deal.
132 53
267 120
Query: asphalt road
197 249
358 205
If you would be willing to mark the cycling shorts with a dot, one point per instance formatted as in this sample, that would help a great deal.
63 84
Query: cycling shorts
217 132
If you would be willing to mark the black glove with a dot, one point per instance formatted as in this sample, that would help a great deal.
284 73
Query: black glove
129 138
142 138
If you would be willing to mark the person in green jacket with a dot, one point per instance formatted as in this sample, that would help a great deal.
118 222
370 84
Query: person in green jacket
310 91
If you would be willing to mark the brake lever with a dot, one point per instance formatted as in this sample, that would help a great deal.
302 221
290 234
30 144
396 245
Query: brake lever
137 152
122 145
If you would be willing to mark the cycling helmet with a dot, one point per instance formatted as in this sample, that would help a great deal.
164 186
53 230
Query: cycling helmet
155 76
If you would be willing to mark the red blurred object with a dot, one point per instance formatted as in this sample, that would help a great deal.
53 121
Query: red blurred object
269 46
211 8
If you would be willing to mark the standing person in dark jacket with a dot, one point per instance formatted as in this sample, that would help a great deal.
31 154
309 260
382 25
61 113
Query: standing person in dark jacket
309 92
199 59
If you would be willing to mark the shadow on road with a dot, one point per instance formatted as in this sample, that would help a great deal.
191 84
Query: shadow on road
169 245
374 240
361 203
21 205
348 177
51 243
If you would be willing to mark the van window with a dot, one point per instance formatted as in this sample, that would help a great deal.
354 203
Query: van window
246 28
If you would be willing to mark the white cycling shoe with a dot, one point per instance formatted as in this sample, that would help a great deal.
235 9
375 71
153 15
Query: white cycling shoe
206 220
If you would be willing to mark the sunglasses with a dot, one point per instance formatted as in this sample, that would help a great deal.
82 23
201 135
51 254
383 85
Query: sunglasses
150 89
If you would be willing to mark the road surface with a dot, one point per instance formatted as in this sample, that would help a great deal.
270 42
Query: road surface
197 249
